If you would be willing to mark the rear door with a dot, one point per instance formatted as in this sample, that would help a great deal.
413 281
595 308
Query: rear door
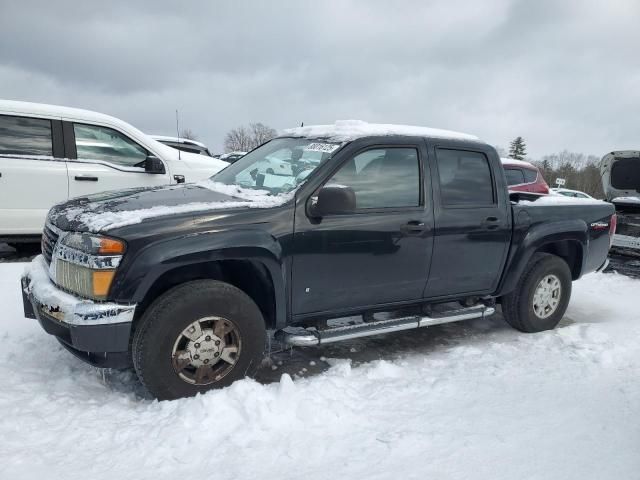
102 158
33 174
472 223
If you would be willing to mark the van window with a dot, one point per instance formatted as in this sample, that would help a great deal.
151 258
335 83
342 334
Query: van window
102 143
25 136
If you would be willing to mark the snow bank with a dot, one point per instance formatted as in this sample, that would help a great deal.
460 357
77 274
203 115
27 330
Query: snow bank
474 400
344 130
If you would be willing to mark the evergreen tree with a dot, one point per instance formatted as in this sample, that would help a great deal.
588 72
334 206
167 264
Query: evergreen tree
518 149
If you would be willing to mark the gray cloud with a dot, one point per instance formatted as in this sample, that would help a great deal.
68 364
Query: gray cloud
561 74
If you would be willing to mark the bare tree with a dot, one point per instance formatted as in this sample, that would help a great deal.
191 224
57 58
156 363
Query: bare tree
581 172
245 138
188 134
261 133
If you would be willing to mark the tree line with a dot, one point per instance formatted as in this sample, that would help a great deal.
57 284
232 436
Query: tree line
580 171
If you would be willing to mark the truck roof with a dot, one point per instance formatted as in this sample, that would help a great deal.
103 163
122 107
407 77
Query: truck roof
345 130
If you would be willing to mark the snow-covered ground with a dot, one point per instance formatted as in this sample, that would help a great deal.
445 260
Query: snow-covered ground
474 400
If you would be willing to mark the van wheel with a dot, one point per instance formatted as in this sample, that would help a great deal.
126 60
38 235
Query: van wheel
542 295
198 336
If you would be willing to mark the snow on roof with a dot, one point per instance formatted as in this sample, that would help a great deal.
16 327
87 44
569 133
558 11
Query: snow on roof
44 109
344 130
513 161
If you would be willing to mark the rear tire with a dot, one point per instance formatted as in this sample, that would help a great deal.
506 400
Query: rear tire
541 296
198 336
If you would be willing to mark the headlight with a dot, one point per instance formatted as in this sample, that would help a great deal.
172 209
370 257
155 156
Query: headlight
93 244
85 264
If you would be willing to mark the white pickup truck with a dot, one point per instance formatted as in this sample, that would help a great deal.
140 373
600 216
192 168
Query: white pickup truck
49 154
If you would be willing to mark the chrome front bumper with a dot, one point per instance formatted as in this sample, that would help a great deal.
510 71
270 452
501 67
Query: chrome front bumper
47 299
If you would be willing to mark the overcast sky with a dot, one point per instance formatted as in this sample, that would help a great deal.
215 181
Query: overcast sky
563 74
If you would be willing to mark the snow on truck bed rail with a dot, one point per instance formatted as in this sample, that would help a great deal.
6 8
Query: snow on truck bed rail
344 130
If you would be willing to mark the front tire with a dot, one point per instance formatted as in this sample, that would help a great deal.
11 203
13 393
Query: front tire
541 296
198 336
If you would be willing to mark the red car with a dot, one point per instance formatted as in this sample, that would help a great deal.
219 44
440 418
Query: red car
523 176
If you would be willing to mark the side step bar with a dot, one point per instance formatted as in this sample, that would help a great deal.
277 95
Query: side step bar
304 337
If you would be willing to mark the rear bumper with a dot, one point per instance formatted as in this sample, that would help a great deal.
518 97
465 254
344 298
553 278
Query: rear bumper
98 333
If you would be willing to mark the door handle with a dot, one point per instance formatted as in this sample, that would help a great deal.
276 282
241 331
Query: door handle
491 223
414 227
85 178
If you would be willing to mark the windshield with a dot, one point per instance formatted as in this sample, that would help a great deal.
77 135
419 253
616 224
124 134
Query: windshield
279 166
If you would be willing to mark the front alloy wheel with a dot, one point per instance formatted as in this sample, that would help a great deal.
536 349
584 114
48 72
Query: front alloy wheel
206 351
200 335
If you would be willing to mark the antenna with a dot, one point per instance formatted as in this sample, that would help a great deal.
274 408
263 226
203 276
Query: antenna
302 124
178 131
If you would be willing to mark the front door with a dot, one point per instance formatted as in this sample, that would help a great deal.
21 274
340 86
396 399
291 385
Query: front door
106 160
472 224
377 254
32 178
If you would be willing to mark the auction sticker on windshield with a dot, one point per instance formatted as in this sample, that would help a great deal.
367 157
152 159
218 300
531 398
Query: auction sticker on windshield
321 147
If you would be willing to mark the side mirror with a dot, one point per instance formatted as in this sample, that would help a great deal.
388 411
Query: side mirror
333 199
154 165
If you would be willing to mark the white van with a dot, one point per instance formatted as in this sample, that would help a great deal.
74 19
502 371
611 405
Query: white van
49 154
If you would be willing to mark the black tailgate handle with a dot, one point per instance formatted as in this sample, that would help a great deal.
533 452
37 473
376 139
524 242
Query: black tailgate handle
85 178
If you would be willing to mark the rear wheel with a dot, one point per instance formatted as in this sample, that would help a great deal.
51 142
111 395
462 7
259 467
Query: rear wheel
542 295
198 336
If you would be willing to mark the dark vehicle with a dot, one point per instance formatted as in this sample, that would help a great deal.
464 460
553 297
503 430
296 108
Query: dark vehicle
405 227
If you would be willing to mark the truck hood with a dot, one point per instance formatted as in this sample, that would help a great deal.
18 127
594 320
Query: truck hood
115 209
620 172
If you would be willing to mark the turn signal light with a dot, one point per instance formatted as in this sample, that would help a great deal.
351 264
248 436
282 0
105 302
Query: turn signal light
109 246
102 282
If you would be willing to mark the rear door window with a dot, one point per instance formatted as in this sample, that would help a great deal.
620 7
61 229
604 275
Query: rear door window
514 176
25 136
465 178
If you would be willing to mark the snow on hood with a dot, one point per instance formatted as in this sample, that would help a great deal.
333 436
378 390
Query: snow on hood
344 130
117 209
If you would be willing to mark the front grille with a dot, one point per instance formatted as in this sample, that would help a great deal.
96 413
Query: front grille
49 239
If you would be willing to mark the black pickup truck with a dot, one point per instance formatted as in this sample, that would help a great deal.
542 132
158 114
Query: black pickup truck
400 227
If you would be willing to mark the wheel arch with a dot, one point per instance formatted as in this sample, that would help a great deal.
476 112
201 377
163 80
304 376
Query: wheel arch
567 240
259 270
